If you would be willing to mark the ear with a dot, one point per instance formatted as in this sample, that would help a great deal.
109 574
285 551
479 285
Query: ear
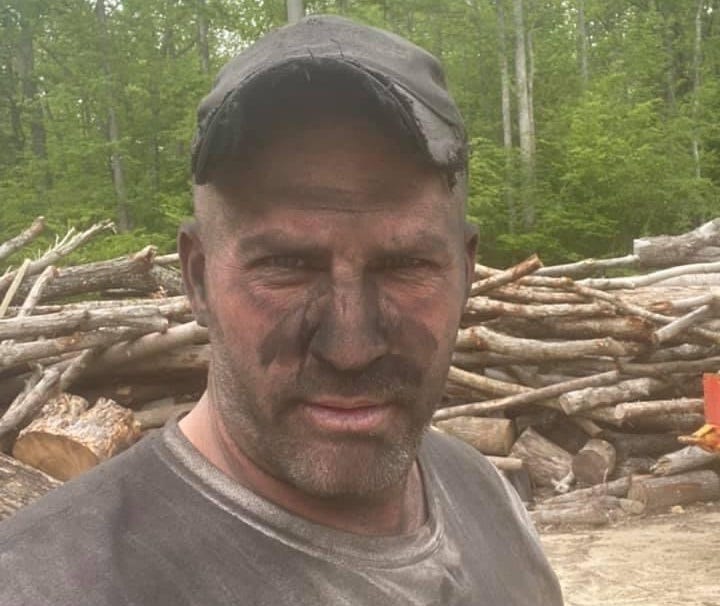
192 260
471 244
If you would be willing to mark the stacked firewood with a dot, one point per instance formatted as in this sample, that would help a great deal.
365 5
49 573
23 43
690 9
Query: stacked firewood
585 383
575 384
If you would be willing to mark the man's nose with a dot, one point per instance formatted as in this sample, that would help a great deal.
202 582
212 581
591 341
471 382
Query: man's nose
350 334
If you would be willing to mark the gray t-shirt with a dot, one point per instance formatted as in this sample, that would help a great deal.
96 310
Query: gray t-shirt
159 525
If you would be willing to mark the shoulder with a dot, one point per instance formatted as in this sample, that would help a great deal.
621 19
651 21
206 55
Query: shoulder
59 544
462 469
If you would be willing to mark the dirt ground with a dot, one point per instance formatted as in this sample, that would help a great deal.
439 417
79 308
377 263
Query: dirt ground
663 560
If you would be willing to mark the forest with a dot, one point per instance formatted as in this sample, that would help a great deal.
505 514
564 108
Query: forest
591 122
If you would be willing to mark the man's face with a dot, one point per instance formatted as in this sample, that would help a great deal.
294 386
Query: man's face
333 287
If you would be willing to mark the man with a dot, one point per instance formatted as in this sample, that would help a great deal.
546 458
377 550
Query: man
330 260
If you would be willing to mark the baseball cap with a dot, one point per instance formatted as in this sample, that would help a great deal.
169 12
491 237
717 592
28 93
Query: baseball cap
400 74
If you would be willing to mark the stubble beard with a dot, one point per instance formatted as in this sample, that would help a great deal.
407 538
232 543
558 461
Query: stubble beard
331 467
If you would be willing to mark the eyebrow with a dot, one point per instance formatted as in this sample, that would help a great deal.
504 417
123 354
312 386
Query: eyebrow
277 240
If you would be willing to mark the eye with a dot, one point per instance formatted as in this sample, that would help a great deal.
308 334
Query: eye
404 263
286 262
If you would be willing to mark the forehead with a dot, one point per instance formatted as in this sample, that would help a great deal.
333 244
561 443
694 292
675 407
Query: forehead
327 170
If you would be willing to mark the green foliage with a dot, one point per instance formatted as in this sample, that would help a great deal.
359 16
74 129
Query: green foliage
614 154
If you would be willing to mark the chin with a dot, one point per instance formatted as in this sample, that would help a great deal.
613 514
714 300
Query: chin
357 468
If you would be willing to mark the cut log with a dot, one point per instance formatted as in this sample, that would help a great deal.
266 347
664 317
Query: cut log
68 438
592 511
14 244
595 462
614 488
685 459
489 436
592 397
633 466
661 251
523 268
20 485
661 493
641 445
633 410
546 462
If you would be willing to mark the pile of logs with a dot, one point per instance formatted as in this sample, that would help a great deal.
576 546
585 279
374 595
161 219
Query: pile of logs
575 384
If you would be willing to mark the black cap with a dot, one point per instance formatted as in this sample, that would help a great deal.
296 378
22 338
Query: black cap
399 73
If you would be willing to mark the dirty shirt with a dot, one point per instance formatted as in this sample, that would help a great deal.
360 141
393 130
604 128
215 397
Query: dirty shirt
160 525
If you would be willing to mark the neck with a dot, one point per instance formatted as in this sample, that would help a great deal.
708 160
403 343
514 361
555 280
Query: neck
398 510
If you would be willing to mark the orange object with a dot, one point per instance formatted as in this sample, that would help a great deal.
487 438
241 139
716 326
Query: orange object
711 388
708 436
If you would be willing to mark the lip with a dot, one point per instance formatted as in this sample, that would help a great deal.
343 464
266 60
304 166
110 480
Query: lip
347 415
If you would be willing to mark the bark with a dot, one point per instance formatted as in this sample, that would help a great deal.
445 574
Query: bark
633 466
595 462
583 514
124 221
18 277
622 328
536 395
662 251
545 461
145 319
27 404
661 493
489 436
651 278
676 327
506 463
484 384
592 397
525 132
523 268
71 241
506 112
479 337
485 306
615 488
685 459
14 244
21 485
583 44
641 445
202 37
697 63
35 292
12 353
69 438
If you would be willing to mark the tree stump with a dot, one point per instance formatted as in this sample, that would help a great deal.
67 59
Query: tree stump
69 438
545 461
489 436
595 462
664 492
20 485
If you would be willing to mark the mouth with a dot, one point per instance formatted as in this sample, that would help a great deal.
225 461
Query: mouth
342 415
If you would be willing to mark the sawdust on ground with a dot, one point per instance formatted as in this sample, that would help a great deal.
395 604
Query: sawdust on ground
662 560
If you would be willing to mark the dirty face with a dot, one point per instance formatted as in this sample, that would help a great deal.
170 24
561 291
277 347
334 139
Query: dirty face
331 274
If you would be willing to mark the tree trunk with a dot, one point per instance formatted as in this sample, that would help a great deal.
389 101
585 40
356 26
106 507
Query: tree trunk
124 221
582 43
295 10
506 112
202 37
26 72
697 62
527 140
